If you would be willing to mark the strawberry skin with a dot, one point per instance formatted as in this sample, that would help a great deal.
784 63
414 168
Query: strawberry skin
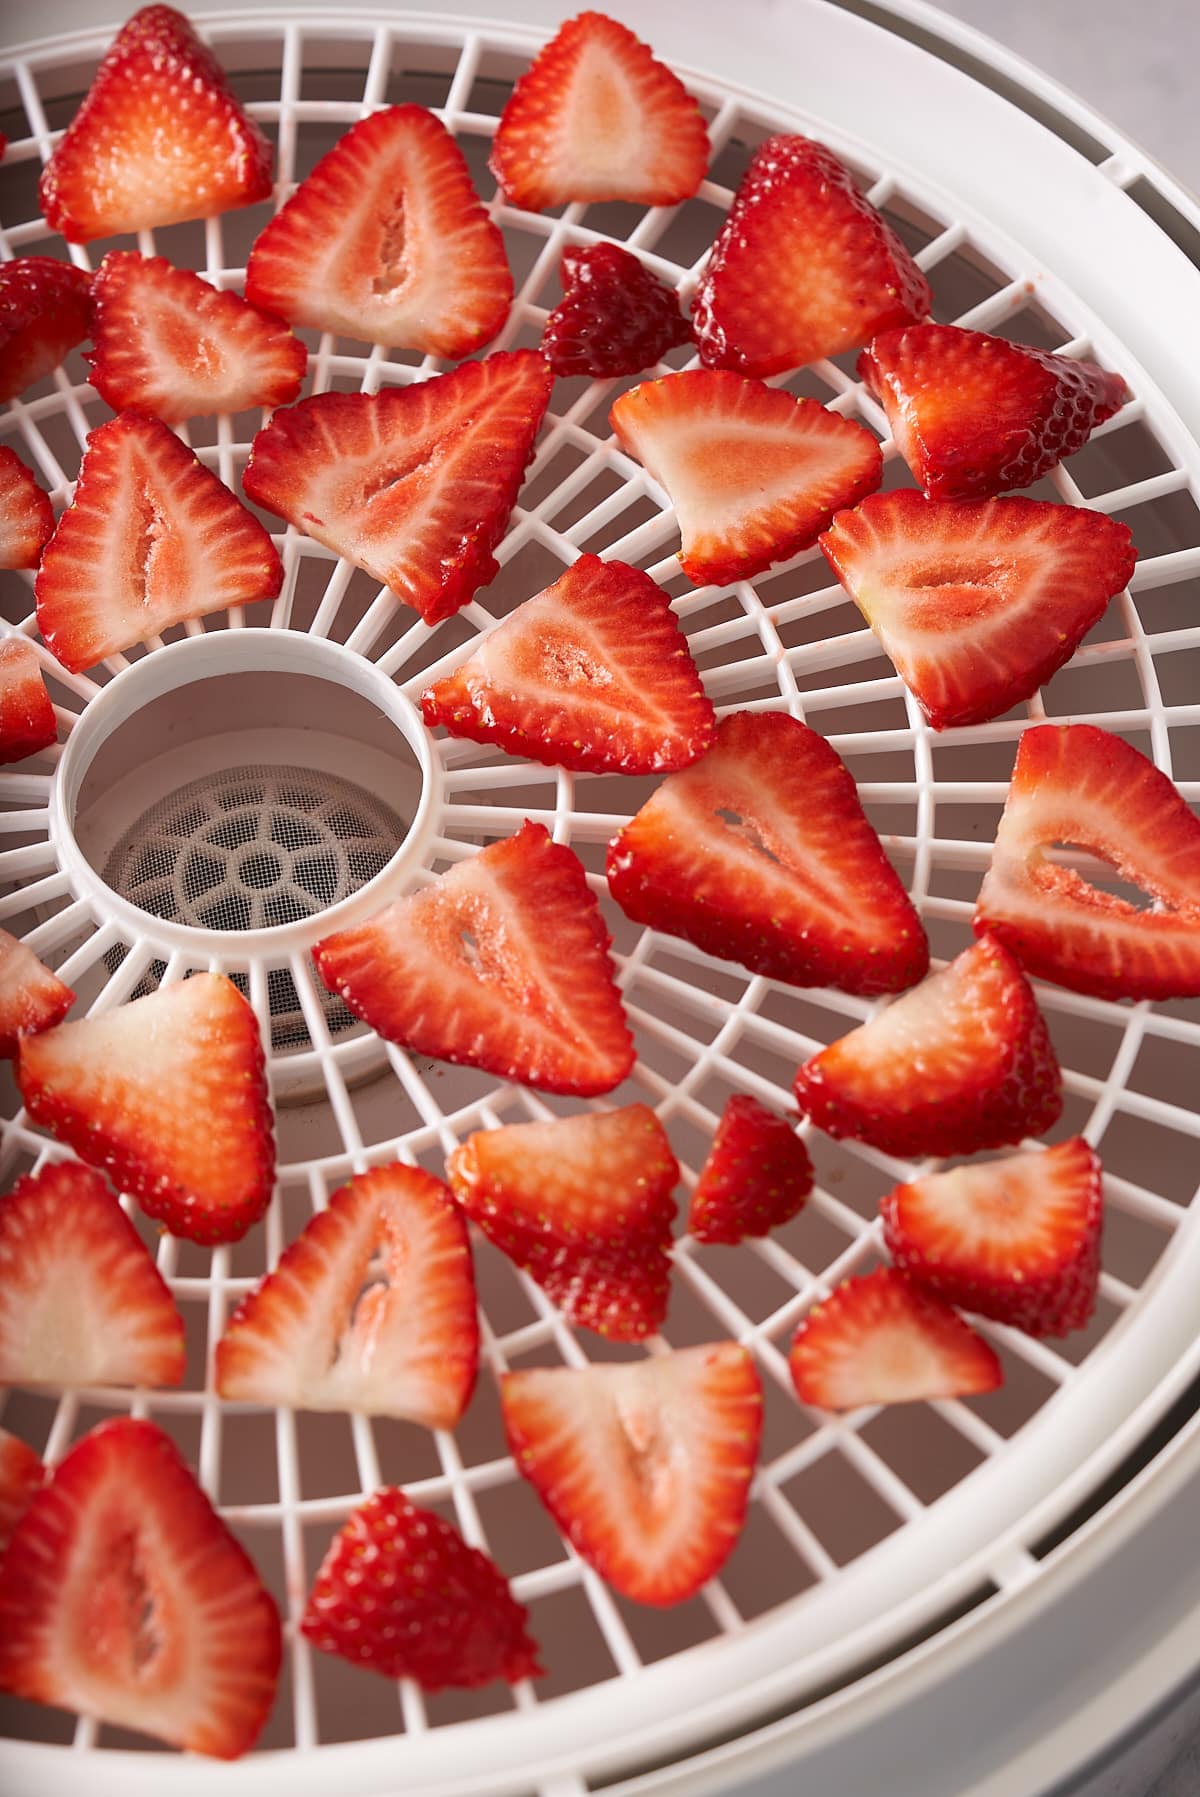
754 475
1078 784
371 1309
803 267
977 603
400 1593
159 138
387 241
43 314
592 674
756 1178
21 1474
597 117
614 317
1017 1239
760 853
26 517
124 1596
27 721
962 1063
31 997
646 1468
975 415
168 1096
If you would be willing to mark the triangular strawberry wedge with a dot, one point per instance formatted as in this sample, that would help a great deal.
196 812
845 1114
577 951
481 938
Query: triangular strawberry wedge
387 241
501 964
803 266
43 313
614 317
761 853
753 474
413 484
371 1309
31 997
21 1474
756 1177
977 603
159 138
597 117
593 674
645 1468
1079 785
27 721
150 539
124 1596
168 1096
584 1205
26 515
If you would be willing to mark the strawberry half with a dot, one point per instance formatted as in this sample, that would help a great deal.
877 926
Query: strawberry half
593 674
400 1593
756 1178
26 516
31 997
21 1474
388 241
371 1309
151 538
977 603
124 1596
502 963
170 344
413 484
1017 1239
882 1340
614 317
43 314
803 266
584 1205
761 853
168 1096
753 474
964 1062
1077 784
27 721
159 138
597 117
974 415
645 1468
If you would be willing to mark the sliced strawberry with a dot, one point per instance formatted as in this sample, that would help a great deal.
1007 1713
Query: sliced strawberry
1076 784
597 117
414 484
401 1593
977 603
501 964
124 1596
756 1178
645 1468
614 317
594 674
43 314
803 266
388 241
975 415
964 1062
151 538
27 721
159 138
584 1205
168 1096
753 474
882 1340
371 1309
21 1474
26 516
761 853
31 997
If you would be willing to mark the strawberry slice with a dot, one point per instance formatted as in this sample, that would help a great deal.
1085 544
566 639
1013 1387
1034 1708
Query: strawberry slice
977 603
1017 1239
124 1596
81 1301
614 317
31 997
21 1474
645 1468
1077 784
974 415
597 117
756 1178
753 474
803 266
159 138
593 674
168 1096
388 241
760 853
413 484
43 314
27 721
882 1340
502 963
26 517
584 1205
371 1309
964 1062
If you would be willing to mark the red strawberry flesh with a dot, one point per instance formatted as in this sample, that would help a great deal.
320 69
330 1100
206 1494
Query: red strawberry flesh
614 317
27 721
756 1178
26 517
43 314
21 1474
31 997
